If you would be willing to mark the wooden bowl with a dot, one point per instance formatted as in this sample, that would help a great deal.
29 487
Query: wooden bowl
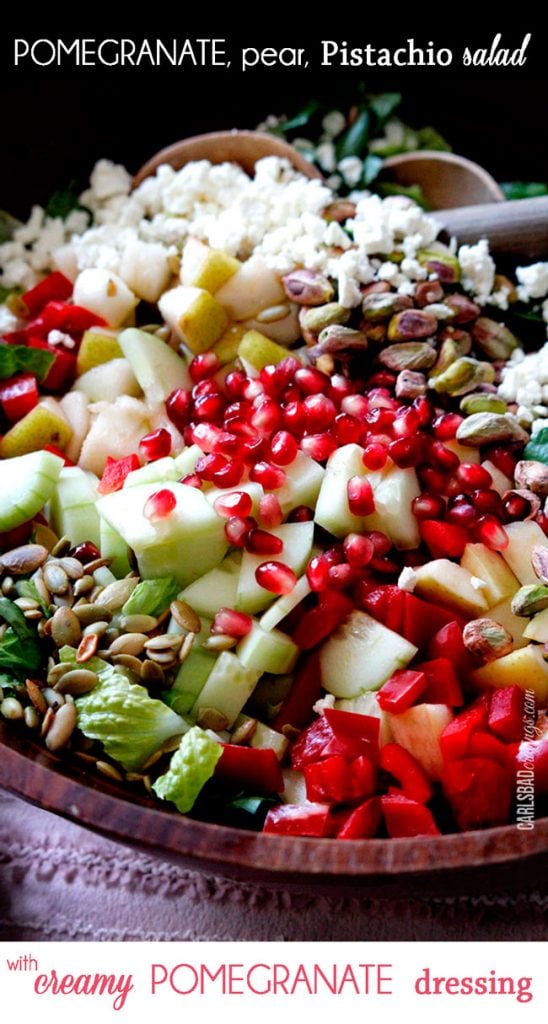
497 859
446 179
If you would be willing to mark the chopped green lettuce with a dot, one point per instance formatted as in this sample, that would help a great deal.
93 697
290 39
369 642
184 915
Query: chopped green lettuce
129 723
152 597
537 448
190 768
20 649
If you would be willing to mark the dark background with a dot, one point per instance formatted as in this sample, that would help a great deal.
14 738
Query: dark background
57 122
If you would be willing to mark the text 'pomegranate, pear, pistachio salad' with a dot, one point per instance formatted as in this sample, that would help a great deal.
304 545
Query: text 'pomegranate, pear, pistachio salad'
272 504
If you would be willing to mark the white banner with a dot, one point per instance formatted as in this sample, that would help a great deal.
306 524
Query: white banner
357 982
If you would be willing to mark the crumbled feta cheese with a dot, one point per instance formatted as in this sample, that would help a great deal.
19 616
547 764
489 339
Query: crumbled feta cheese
478 269
533 281
58 338
109 179
324 703
325 155
351 168
333 123
440 310
407 579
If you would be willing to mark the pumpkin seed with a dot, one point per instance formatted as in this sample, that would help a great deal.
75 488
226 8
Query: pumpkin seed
128 643
152 673
36 696
128 661
83 585
73 568
87 647
88 613
62 727
56 578
116 594
76 682
185 616
66 628
23 560
138 623
32 718
62 547
109 771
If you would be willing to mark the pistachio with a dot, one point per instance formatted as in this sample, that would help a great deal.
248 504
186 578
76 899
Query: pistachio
340 210
530 599
307 287
339 340
313 319
493 338
427 292
411 324
410 384
382 305
502 283
116 594
481 402
408 355
440 262
25 559
66 628
376 288
376 333
464 309
462 376
539 561
488 428
533 476
486 640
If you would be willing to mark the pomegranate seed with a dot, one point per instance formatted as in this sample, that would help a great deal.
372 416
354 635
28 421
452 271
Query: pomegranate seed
270 379
406 423
237 503
428 506
424 411
463 514
209 407
275 577
206 436
291 394
227 444
156 445
231 623
294 417
516 507
542 519
85 552
283 448
320 413
489 502
237 529
374 456
444 540
318 446
407 451
317 572
179 407
358 549
192 480
237 411
229 475
380 397
347 429
159 505
311 381
287 368
252 450
443 458
386 566
260 542
342 576
301 514
205 387
270 511
445 427
380 542
268 475
473 477
267 416
490 532
360 496
204 365
380 419
504 459
355 405
433 480
208 465
340 387
234 383
334 555
252 389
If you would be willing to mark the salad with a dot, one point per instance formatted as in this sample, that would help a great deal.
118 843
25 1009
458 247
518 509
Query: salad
273 473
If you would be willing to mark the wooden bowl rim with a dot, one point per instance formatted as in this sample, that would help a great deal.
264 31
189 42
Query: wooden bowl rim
454 159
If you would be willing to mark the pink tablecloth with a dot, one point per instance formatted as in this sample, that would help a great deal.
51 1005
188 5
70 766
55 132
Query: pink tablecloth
61 882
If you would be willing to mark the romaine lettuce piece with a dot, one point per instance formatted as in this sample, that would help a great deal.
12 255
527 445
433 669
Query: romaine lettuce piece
190 768
152 597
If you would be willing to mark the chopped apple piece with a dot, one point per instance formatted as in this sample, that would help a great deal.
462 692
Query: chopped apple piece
465 454
303 479
515 624
253 288
116 431
525 668
75 409
523 537
447 583
490 567
537 628
361 655
284 330
97 346
204 267
418 730
104 293
226 348
195 317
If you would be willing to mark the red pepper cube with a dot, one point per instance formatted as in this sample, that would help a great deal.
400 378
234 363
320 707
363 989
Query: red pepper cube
442 685
405 817
408 772
317 623
311 743
299 820
57 451
18 396
444 540
455 737
506 713
54 287
448 643
65 317
339 779
362 822
250 766
479 791
115 473
62 372
482 744
384 603
306 689
353 734
402 690
422 620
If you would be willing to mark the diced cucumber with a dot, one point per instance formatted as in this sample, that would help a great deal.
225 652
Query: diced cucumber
228 687
216 589
285 604
271 651
297 541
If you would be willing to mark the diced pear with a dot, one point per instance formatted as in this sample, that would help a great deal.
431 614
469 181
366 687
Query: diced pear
394 491
106 382
284 330
257 350
114 547
253 288
488 566
226 348
185 461
515 624
268 651
204 267
216 589
501 483
228 687
537 628
303 479
418 731
156 366
97 346
297 541
448 584
195 317
263 737
523 537
105 294
465 454
72 509
361 655
367 704
26 484
332 510
116 431
285 604
75 409
525 668
40 427
154 472
145 268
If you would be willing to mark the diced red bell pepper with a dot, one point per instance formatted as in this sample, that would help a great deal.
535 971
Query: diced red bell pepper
408 772
384 603
62 372
405 817
14 538
362 822
448 643
306 689
402 690
444 540
250 766
299 820
57 451
54 287
482 744
455 738
422 620
18 396
115 473
340 780
442 685
65 317
506 713
479 791
532 755
317 623
337 732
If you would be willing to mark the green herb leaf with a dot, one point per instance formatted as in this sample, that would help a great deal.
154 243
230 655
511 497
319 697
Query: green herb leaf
20 359
430 138
354 140
20 649
302 118
371 167
28 588
524 189
389 188
64 201
384 104
537 447
8 224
